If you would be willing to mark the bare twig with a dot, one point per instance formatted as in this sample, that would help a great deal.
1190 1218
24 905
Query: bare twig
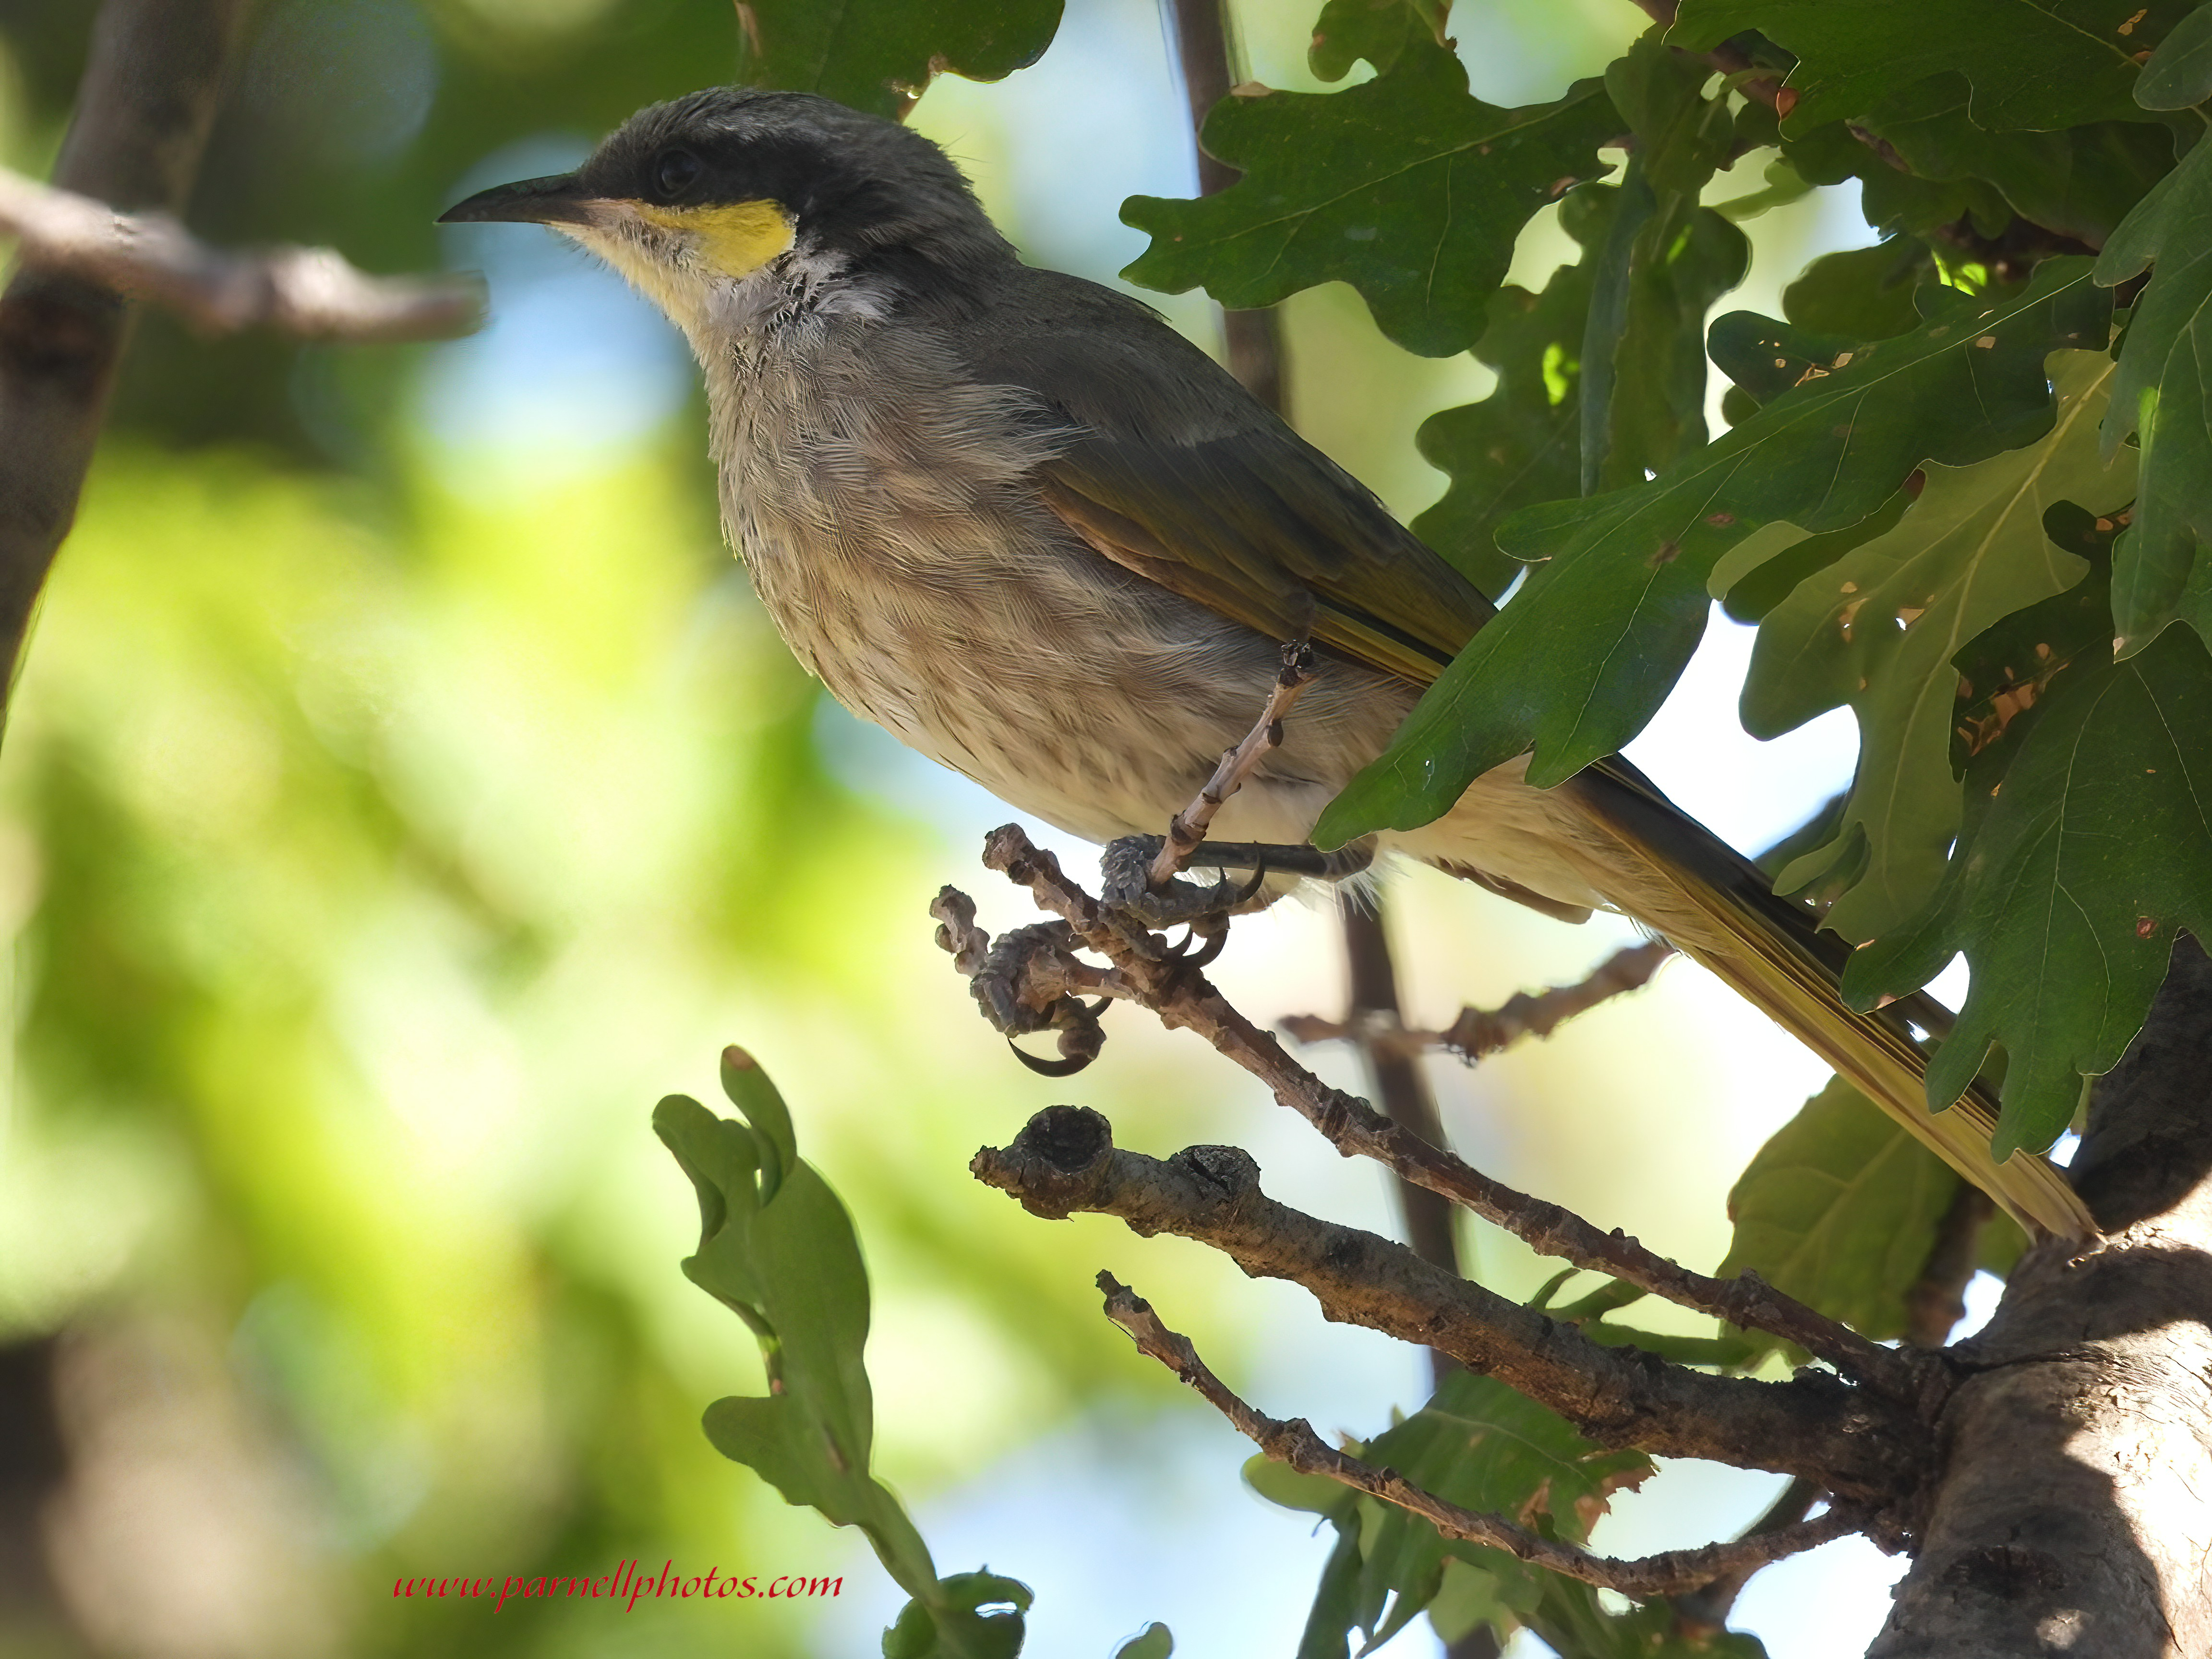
1705 1609
1182 997
1187 828
1295 1442
308 292
1478 1032
1857 1443
1399 1084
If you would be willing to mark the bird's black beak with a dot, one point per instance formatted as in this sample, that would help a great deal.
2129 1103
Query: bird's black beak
558 198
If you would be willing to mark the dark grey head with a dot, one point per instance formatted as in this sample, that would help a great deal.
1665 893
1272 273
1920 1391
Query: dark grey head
709 189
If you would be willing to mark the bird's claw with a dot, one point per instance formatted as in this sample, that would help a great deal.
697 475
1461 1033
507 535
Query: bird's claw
1017 981
1126 885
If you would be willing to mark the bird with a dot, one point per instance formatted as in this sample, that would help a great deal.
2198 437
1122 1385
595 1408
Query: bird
1014 518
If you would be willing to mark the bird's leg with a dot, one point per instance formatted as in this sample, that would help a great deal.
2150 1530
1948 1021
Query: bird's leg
1028 980
1187 830
1140 872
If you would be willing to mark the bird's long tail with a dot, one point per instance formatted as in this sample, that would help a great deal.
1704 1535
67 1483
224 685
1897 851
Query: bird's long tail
1718 908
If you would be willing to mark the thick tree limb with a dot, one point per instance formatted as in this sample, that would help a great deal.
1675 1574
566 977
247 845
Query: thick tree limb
2070 1515
309 293
1181 997
1295 1442
1863 1448
143 114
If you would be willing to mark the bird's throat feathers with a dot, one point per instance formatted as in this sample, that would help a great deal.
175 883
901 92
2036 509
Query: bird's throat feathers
679 256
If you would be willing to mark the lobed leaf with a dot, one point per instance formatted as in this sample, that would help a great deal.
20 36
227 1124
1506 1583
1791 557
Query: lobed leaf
2180 73
1876 630
1408 188
2086 844
1377 30
2040 65
1522 444
877 55
1579 660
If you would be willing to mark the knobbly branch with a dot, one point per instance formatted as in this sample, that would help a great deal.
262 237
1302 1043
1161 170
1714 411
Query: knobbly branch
1181 997
308 292
1478 1032
1865 1447
1295 1442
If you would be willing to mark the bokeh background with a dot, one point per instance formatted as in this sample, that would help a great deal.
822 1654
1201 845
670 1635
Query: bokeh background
404 791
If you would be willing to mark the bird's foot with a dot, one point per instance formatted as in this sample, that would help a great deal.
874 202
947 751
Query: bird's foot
1126 866
1026 981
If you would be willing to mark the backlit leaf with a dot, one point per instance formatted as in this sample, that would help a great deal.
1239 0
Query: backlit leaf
1839 1209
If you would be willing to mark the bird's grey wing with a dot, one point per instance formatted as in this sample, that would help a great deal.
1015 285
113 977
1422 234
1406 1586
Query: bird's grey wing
1179 475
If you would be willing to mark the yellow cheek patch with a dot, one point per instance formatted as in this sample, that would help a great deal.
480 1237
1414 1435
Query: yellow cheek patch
736 239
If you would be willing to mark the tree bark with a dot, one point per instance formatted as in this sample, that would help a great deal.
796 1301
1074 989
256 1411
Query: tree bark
2074 1508
144 111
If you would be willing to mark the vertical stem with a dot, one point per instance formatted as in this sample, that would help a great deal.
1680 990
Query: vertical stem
1204 47
144 111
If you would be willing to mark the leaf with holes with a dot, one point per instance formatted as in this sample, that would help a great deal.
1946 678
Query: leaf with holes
2040 64
2086 844
1876 630
1580 659
877 55
1408 188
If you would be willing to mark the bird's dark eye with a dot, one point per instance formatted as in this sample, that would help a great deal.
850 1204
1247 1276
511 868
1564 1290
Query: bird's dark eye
674 172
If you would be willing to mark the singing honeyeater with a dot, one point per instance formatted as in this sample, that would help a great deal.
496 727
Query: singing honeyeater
1015 519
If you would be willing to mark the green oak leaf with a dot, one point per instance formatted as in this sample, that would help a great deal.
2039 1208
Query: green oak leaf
2086 843
1839 1209
2040 64
877 55
1876 630
776 1248
2179 74
1862 293
1521 444
1476 1444
1153 1642
2080 182
1664 262
2163 397
1408 187
1891 199
1581 657
1377 30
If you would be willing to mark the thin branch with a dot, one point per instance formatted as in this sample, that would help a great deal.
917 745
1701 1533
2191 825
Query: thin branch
1936 1301
1867 1448
143 110
1182 998
1705 1609
1187 830
308 292
1295 1442
1478 1032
